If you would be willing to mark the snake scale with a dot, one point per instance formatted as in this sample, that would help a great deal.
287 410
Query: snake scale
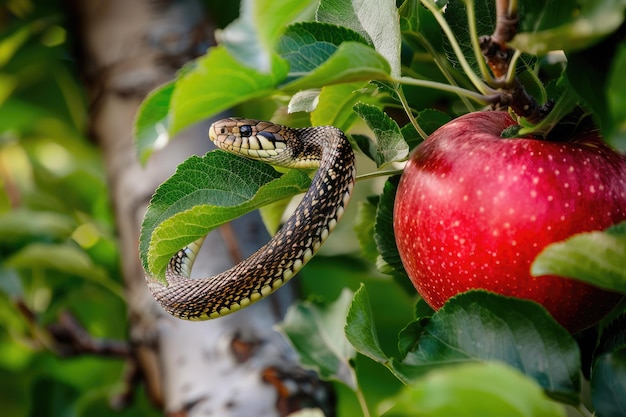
315 217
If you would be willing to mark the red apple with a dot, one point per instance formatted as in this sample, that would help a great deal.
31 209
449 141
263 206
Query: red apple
473 210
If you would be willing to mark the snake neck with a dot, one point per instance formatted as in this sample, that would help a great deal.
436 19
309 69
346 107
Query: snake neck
284 255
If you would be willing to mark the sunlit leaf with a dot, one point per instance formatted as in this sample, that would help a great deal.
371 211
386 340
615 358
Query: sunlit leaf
377 21
352 61
217 82
250 39
204 193
151 129
475 389
593 257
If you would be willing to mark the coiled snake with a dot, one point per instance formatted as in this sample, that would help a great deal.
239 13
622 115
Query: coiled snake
293 245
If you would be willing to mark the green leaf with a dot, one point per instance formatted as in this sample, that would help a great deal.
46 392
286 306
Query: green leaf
151 125
317 333
429 120
408 338
566 25
608 384
251 38
375 20
615 93
390 144
409 16
205 193
599 69
475 389
595 257
360 328
335 105
305 101
364 227
481 326
385 237
217 82
23 225
65 258
613 336
352 61
308 45
10 283
456 16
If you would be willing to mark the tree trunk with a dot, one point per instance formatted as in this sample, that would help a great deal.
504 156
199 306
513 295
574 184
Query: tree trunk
232 366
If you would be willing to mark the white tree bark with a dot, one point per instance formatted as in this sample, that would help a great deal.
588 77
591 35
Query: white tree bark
232 366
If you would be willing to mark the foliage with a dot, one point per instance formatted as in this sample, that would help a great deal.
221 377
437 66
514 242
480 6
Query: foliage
393 71
391 67
58 249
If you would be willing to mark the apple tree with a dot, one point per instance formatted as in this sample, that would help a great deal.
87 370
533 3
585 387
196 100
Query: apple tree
513 86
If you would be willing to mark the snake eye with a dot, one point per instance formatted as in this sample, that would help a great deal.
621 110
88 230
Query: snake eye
245 131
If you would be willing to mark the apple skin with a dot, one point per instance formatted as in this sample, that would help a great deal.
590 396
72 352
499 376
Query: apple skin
473 210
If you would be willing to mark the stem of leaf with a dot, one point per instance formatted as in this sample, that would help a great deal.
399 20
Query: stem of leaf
510 74
477 97
584 411
362 402
478 83
409 113
512 8
376 174
471 20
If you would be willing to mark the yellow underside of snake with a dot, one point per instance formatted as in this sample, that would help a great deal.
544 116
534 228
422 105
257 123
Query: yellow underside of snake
325 148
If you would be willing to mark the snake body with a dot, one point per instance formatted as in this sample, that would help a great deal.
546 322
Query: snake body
323 147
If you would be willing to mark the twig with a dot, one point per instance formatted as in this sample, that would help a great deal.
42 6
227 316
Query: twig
70 338
499 56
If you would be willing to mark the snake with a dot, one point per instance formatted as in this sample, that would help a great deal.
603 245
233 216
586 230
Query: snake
325 148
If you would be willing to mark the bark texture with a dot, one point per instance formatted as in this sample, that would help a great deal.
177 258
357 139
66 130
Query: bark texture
233 366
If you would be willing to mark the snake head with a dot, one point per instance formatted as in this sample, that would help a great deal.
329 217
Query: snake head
254 139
